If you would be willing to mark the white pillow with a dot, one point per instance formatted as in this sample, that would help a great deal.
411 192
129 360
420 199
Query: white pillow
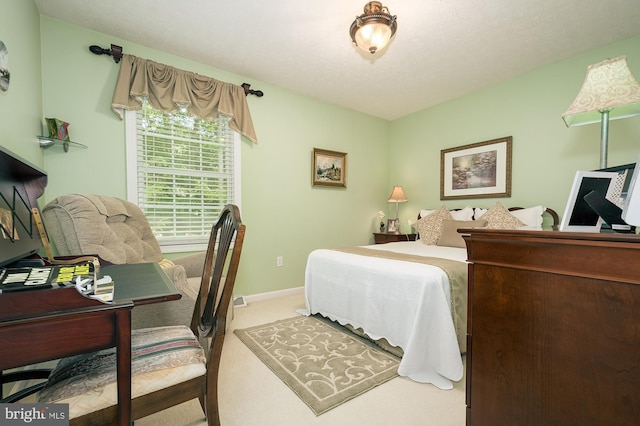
462 214
531 216
478 212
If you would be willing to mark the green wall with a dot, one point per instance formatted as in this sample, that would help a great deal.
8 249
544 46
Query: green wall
21 105
546 154
284 214
55 75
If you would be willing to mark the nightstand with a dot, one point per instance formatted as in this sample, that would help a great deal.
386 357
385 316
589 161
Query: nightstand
383 238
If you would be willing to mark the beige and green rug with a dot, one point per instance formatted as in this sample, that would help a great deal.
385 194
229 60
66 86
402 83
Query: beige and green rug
324 364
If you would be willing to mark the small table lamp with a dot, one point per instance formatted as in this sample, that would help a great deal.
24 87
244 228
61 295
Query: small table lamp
609 92
397 196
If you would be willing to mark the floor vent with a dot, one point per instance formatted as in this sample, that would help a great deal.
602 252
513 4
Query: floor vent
239 301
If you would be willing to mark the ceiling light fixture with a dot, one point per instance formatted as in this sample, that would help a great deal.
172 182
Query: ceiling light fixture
372 30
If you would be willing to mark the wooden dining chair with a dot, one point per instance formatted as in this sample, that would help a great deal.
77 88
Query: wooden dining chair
170 365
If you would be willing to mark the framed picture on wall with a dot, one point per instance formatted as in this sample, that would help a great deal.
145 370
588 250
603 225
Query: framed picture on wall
329 168
479 170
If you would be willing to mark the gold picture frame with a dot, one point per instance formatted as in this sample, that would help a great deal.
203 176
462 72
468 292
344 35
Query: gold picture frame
479 170
329 168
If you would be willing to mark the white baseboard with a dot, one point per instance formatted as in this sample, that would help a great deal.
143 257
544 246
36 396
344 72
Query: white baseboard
273 294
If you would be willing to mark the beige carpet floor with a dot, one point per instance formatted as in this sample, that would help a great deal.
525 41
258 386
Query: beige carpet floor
251 395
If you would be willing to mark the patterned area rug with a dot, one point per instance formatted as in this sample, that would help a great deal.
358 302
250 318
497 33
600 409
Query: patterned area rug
321 362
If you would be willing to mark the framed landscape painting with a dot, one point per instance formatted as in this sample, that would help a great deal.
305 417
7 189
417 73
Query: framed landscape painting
479 170
329 168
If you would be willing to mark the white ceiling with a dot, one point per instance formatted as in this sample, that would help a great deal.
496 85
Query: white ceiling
442 49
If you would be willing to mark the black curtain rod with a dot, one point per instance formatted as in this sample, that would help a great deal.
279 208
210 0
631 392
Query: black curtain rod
248 91
116 53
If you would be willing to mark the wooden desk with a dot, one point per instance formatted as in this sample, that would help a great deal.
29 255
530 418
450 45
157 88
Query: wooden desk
133 282
42 325
552 331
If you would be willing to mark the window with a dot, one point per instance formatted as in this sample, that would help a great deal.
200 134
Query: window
181 171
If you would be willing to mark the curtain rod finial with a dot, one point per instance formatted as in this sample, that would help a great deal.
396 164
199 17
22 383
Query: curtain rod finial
115 51
248 91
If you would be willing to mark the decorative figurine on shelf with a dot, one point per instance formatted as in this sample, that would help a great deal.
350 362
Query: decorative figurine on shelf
58 129
380 217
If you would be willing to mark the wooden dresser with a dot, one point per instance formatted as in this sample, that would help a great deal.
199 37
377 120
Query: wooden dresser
553 333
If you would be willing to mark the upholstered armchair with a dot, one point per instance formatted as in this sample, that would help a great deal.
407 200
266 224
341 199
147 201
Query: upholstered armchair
118 232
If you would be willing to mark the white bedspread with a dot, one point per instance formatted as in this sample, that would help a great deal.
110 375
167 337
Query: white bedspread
407 303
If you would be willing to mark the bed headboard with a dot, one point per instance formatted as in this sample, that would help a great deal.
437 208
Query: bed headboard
554 216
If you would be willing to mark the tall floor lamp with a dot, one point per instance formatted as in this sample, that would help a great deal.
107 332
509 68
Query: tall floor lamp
397 196
609 92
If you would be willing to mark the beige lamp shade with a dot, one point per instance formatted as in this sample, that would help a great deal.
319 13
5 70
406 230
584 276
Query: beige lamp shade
609 92
397 195
608 86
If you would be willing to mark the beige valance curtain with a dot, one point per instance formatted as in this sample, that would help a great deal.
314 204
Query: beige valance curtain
168 89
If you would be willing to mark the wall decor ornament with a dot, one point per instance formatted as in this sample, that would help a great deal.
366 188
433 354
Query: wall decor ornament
479 170
381 216
58 129
5 74
329 168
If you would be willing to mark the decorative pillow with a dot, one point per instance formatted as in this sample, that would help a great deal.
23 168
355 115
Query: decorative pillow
462 214
531 216
498 217
430 226
450 236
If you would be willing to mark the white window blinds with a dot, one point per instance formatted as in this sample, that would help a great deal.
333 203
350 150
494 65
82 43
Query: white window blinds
186 170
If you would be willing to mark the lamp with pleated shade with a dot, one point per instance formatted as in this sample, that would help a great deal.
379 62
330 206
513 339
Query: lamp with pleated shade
397 196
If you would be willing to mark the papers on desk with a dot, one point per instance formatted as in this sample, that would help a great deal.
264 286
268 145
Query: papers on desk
40 277
103 289
28 278
82 276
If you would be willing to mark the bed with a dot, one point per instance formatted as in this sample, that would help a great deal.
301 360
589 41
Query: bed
412 294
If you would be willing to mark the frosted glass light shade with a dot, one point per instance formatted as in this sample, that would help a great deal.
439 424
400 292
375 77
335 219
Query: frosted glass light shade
373 30
373 37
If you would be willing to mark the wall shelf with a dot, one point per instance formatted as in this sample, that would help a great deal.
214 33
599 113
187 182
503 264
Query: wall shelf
47 142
